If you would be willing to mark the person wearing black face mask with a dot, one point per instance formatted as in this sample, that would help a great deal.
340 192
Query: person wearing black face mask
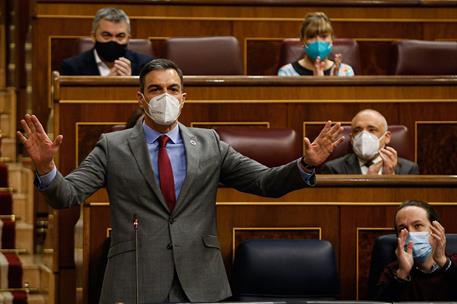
110 55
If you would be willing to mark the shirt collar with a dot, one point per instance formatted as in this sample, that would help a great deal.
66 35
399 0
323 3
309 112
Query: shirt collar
363 162
102 67
152 135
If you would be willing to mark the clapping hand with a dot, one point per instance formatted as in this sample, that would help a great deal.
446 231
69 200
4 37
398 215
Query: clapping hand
121 67
438 241
319 67
405 258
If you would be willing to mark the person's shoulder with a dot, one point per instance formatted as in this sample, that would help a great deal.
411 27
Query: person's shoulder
407 163
340 159
138 60
80 57
205 132
139 57
287 70
335 166
345 70
81 64
120 134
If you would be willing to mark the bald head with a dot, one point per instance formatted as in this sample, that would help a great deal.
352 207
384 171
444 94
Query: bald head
373 122
372 117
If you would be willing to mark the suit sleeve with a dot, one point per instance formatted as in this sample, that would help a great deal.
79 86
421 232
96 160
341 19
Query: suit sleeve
67 69
414 169
65 192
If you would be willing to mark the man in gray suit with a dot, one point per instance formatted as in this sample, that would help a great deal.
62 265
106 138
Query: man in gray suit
178 250
369 139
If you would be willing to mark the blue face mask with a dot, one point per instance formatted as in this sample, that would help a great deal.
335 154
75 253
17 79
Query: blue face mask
318 48
421 246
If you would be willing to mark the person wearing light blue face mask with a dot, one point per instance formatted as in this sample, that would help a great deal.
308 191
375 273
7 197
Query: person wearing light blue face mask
316 33
422 271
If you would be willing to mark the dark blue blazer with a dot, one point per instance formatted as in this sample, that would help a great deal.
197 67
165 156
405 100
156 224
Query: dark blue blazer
84 63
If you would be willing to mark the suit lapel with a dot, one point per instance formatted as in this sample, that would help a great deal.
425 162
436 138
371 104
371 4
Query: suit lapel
91 64
192 147
138 147
352 164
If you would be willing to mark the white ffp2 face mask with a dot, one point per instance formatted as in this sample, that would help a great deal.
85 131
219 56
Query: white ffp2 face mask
366 145
164 109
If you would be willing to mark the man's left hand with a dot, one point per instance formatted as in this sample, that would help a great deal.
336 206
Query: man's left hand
389 160
324 144
438 242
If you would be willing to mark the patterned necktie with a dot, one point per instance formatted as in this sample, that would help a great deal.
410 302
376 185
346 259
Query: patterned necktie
167 183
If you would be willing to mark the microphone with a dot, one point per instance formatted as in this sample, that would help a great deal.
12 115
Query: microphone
135 228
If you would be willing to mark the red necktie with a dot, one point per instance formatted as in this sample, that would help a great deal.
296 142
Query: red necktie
167 183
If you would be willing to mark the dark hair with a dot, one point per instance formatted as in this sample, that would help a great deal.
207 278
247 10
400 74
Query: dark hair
159 64
432 215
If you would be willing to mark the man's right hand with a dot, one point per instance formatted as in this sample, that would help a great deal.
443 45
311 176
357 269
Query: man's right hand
40 148
405 258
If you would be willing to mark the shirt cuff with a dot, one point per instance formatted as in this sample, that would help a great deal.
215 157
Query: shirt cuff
43 181
447 265
307 174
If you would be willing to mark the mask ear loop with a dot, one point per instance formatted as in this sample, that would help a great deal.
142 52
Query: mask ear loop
380 138
146 110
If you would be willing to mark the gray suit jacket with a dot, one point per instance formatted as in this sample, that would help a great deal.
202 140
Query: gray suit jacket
349 164
184 240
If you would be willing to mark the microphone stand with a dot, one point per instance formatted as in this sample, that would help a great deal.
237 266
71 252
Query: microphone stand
135 228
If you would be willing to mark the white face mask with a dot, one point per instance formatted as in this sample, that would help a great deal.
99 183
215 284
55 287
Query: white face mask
366 145
164 109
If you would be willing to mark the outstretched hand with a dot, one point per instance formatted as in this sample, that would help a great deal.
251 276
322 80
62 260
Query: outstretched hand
324 144
39 146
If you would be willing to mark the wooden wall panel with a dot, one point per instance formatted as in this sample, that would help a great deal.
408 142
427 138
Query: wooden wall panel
436 146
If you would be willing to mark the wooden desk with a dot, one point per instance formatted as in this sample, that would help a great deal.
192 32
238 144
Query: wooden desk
259 26
349 211
84 107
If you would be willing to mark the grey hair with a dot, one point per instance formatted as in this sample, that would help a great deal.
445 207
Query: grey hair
111 14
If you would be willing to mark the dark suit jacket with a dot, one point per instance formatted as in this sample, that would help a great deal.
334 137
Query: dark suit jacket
84 63
182 241
349 164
